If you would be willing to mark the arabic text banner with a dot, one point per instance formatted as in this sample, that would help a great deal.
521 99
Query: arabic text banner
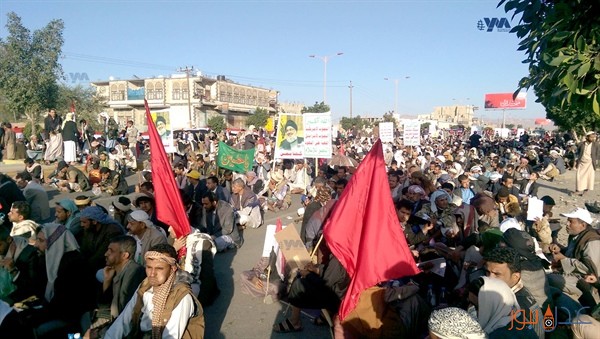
317 135
412 133
240 161
503 101
386 131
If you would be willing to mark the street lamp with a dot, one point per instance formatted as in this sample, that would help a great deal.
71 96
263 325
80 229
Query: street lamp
396 91
325 59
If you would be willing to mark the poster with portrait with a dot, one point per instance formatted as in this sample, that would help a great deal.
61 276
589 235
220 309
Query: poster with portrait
162 120
289 142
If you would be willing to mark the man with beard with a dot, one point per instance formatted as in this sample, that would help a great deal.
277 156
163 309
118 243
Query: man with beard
292 140
219 222
67 213
122 276
98 229
164 304
246 204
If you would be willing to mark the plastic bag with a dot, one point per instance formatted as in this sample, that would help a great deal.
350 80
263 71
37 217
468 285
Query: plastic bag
6 284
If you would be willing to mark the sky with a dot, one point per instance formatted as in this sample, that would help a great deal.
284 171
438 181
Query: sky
437 44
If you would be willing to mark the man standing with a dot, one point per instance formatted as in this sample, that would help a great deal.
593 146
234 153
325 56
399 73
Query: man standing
219 222
250 138
580 260
54 142
586 163
36 197
131 135
164 305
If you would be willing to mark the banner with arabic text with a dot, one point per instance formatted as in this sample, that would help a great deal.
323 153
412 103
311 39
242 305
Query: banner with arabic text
317 135
240 161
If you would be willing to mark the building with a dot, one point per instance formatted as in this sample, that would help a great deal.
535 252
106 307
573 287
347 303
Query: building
124 99
456 115
291 107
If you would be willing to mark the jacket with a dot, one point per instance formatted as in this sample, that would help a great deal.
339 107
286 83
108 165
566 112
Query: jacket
222 224
595 153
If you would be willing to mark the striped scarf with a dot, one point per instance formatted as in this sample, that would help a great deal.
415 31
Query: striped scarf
160 293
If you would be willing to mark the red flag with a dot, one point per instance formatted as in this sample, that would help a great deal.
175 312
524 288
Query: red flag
363 231
280 263
169 206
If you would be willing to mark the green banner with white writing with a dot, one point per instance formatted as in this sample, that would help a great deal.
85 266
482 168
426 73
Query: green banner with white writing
234 159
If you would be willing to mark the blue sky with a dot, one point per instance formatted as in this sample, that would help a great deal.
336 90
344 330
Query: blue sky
267 44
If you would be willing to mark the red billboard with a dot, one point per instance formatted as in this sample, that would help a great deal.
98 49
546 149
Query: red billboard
505 101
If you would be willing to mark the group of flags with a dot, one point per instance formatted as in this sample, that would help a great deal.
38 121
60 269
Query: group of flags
362 231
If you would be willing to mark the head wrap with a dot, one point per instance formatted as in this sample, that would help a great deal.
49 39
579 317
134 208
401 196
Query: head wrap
454 323
160 293
23 227
59 241
496 303
139 215
416 189
96 213
436 195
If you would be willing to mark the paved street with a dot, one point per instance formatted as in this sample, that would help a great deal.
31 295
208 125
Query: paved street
236 315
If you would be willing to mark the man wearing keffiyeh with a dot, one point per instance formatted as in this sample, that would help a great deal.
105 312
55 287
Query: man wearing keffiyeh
164 305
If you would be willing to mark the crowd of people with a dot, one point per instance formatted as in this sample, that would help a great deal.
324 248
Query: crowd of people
462 202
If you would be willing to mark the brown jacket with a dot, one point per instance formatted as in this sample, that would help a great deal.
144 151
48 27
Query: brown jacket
195 327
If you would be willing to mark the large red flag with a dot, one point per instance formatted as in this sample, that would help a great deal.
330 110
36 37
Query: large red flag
169 206
363 231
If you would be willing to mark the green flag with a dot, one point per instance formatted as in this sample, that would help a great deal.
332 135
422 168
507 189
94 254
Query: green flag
236 160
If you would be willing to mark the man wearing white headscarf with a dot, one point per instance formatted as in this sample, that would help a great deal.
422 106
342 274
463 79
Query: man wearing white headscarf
67 291
441 212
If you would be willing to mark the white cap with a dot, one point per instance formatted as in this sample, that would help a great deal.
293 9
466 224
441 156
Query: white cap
580 214
139 215
510 223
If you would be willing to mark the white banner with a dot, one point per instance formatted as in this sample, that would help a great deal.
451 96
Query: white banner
386 131
412 133
317 135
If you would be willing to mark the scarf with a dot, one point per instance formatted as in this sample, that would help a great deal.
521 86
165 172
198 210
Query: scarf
23 227
438 194
160 293
58 241
496 304
454 323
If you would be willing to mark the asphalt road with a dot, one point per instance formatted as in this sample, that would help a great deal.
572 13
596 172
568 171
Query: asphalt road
237 315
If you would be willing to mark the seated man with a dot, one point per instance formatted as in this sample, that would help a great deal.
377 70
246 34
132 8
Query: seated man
579 261
22 226
145 232
212 184
21 262
34 169
555 167
218 220
299 179
246 204
277 193
164 305
75 179
98 229
68 291
67 213
112 183
122 276
36 197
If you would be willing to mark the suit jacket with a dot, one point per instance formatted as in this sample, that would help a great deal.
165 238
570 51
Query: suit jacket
196 192
123 286
533 190
595 153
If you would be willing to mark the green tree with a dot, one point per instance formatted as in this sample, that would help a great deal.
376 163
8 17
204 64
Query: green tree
347 123
217 124
510 126
259 118
389 117
560 42
87 105
29 67
318 107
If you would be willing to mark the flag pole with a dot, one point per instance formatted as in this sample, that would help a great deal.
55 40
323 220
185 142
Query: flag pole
314 251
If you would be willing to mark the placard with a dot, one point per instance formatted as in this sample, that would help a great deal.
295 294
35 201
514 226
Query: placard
289 142
293 248
317 135
412 133
386 131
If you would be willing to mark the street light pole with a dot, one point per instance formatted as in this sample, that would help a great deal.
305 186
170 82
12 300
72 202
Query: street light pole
396 81
325 59
350 98
187 71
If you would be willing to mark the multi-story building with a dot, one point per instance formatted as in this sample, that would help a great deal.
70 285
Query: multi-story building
124 99
457 114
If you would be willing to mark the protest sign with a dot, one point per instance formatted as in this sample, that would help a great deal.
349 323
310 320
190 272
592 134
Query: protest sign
317 135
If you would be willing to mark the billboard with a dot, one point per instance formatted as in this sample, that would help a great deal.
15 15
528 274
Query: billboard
503 101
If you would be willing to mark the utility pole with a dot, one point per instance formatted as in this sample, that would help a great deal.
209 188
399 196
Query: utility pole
187 71
350 98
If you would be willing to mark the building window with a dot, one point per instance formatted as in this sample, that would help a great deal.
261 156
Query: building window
184 94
